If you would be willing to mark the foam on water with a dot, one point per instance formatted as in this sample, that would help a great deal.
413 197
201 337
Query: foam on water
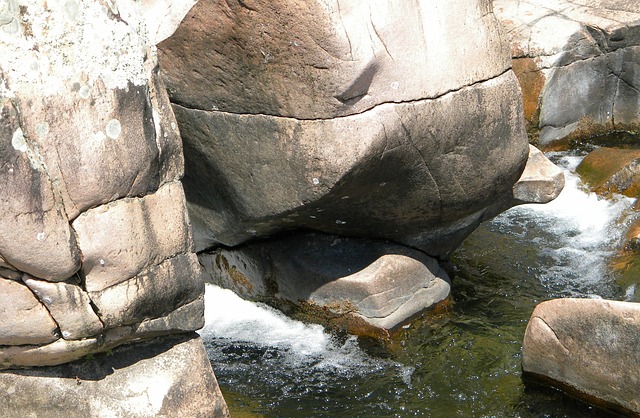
231 320
578 232
231 317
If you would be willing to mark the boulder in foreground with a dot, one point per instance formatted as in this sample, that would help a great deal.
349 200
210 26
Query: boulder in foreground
589 348
167 377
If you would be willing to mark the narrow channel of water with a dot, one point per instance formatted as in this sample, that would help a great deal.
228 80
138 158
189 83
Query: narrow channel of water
463 364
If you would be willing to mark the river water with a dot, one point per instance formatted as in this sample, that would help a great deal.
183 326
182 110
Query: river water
465 363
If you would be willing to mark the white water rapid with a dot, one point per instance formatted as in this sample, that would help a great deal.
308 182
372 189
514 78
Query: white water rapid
576 234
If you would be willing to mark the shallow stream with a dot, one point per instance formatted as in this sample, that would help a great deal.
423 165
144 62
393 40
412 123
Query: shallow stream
465 363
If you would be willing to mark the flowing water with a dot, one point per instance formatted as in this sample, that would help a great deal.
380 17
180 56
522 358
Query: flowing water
465 363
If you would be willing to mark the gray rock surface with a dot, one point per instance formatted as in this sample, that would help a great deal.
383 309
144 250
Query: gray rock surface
311 115
415 173
356 281
168 377
589 347
578 63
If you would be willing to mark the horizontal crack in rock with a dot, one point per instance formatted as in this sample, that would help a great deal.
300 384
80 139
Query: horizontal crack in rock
476 83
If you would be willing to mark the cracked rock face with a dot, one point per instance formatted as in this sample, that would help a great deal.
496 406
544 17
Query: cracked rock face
588 347
95 245
96 249
577 62
377 119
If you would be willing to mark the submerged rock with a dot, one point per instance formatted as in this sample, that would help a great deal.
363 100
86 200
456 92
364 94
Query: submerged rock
365 286
577 62
589 348
610 170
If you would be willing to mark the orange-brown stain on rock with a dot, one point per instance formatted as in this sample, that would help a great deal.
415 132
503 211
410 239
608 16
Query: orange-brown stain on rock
531 82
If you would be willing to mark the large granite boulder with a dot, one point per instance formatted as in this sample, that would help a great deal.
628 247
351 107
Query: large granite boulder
95 246
578 64
588 347
376 119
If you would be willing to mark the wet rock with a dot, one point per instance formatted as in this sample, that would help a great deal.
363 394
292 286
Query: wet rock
153 293
625 264
121 239
23 319
166 377
311 116
588 347
611 170
368 287
577 64
69 306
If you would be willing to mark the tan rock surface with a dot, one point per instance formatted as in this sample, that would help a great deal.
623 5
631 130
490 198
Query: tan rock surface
590 347
322 59
36 236
69 306
23 319
379 283
153 293
169 377
121 239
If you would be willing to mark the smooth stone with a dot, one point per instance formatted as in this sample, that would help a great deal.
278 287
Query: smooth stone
324 59
69 306
153 293
36 236
540 182
588 347
252 176
366 286
577 64
188 317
